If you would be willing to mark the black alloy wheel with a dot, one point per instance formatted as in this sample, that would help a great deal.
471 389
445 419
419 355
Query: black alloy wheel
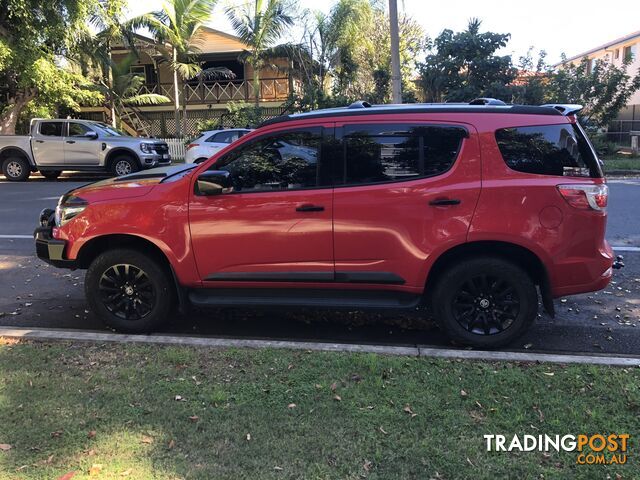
127 292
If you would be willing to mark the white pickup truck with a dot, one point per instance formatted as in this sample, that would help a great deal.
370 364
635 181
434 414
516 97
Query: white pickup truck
77 145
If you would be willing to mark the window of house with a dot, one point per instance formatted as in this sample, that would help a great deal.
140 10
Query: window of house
282 161
560 150
78 129
378 153
51 129
630 53
139 70
616 53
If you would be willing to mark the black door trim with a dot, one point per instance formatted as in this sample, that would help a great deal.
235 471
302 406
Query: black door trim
387 278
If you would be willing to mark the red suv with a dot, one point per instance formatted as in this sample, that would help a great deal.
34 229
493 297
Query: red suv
476 211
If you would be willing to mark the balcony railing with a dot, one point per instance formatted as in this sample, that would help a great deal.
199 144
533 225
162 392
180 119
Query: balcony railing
271 89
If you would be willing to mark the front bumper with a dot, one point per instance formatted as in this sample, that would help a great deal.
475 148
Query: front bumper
50 249
152 160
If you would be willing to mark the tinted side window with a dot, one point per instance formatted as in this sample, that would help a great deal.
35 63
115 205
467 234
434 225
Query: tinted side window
284 161
378 153
51 129
78 129
560 150
225 137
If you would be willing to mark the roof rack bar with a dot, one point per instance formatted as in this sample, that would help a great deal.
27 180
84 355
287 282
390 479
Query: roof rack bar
360 104
565 109
486 101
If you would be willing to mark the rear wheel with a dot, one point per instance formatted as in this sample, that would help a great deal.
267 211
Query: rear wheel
51 174
129 291
485 302
16 169
123 165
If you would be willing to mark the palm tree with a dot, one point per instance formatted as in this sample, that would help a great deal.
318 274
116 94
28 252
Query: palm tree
259 25
176 30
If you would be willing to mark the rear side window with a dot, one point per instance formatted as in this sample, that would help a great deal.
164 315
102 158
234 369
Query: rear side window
560 150
378 153
51 129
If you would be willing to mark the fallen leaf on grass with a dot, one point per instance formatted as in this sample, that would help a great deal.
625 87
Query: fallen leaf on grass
549 374
292 405
172 444
56 434
194 418
366 465
383 431
5 447
127 472
463 393
333 387
279 469
337 398
95 469
91 434
248 437
147 439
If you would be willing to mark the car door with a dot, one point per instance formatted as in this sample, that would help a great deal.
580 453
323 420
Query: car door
403 192
218 141
80 148
47 143
276 223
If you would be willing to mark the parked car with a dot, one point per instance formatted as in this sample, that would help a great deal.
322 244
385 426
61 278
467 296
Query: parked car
210 142
475 211
77 145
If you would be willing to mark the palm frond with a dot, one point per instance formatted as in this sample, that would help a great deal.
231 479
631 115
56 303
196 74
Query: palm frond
146 99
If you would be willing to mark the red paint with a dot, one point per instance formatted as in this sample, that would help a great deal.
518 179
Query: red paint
385 227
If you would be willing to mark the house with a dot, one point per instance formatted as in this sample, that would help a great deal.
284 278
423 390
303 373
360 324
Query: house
201 98
616 52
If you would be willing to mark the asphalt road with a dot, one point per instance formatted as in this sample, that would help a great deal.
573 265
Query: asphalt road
34 294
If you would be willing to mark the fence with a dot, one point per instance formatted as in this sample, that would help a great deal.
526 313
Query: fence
177 148
619 131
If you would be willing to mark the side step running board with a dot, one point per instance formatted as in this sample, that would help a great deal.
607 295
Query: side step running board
257 297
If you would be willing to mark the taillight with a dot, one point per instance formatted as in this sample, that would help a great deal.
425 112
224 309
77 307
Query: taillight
585 197
191 145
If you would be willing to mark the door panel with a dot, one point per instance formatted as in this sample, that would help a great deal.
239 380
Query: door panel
78 149
48 143
387 231
276 225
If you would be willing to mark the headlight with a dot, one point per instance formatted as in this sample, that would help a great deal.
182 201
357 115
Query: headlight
68 208
146 147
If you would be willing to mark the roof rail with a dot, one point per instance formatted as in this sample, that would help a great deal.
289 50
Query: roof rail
565 109
486 101
360 104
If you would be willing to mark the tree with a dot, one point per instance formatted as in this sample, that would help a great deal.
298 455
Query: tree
462 66
530 86
601 87
33 36
177 31
260 25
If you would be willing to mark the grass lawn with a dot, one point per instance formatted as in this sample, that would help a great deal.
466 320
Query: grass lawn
143 412
621 162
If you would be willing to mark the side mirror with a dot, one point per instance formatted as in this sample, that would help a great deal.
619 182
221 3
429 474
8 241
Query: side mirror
91 135
214 182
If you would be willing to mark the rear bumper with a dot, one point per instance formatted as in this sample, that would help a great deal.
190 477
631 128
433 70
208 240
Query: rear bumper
588 274
50 249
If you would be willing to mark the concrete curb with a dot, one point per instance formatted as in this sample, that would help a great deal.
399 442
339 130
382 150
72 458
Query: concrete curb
418 351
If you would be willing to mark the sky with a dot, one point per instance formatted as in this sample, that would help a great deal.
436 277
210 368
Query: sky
556 26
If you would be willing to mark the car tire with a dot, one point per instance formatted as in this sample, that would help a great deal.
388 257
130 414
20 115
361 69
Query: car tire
51 174
130 291
124 165
16 169
485 302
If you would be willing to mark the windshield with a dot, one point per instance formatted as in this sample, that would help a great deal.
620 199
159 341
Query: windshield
110 131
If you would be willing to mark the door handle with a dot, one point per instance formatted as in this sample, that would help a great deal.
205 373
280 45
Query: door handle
71 141
310 208
443 202
39 141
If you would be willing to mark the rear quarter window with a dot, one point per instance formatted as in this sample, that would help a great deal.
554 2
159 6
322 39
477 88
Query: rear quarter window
558 150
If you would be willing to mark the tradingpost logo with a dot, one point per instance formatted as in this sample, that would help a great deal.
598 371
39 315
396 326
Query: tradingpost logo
594 449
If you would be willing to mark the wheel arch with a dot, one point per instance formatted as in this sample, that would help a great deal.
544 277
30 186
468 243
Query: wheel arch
12 150
112 154
519 255
97 245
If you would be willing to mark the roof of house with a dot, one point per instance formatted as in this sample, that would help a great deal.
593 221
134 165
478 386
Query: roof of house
604 46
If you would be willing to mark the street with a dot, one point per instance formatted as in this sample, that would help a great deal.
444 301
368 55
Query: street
34 294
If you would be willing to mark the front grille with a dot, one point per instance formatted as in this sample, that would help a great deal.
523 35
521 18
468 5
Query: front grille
161 148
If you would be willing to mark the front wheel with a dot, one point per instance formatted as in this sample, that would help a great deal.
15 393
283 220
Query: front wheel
129 291
124 165
16 169
485 302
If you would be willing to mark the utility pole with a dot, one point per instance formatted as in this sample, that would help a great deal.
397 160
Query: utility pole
396 79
